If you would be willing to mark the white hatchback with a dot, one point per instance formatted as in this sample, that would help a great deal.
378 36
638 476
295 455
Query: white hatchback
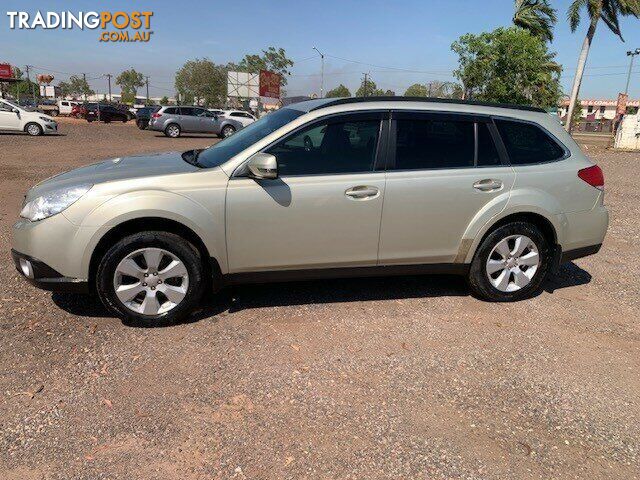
14 118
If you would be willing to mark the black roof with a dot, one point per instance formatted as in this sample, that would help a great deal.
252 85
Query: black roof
342 101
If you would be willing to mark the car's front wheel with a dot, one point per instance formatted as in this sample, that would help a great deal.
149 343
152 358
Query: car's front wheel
33 129
511 263
151 279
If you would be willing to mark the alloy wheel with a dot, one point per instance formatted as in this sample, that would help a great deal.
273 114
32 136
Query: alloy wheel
512 263
173 131
227 131
33 130
151 281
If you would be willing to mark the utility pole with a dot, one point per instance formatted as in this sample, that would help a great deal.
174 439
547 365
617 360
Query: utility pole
321 72
33 92
366 84
632 54
147 83
84 78
108 75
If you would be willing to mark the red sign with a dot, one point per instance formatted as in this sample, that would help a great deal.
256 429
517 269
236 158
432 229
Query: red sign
621 107
269 84
5 70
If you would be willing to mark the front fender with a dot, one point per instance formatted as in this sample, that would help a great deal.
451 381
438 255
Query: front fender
208 225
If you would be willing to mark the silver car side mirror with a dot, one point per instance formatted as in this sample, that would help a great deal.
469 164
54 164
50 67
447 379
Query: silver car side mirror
263 166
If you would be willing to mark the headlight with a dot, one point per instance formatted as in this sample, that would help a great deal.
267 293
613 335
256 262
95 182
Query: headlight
52 203
45 119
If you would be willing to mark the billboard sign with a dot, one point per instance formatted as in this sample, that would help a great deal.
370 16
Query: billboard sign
243 85
5 70
269 84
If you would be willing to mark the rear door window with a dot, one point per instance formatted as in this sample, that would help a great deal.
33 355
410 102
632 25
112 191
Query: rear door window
427 142
527 143
187 111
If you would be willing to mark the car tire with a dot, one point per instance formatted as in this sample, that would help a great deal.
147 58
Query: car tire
134 248
140 124
33 129
511 263
54 113
172 130
227 131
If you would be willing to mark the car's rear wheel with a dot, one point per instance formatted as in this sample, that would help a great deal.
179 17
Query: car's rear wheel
228 130
141 125
33 129
172 130
151 279
511 263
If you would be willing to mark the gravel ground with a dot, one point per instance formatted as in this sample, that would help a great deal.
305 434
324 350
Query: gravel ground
397 378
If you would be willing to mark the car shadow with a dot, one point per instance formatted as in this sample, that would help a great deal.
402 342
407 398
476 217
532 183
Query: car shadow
246 297
25 134
568 275
204 135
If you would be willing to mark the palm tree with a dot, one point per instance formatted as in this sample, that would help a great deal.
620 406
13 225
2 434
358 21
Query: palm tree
537 16
606 10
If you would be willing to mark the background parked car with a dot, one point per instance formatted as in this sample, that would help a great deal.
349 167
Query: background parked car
15 118
107 114
143 115
80 110
65 107
50 107
244 118
173 121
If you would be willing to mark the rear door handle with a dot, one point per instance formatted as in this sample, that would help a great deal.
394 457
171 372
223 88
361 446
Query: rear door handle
362 192
488 185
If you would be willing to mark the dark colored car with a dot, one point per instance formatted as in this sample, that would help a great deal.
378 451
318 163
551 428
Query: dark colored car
107 114
80 110
143 115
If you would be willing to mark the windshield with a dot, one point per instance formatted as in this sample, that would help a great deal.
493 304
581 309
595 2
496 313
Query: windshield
224 150
10 103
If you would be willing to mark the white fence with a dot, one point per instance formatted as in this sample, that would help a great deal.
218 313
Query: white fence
628 135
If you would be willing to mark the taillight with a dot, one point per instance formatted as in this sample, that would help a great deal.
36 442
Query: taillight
156 115
593 176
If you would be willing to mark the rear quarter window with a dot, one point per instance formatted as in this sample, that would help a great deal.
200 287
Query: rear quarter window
527 143
170 111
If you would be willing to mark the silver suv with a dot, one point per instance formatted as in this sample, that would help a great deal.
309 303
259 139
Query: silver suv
173 121
324 188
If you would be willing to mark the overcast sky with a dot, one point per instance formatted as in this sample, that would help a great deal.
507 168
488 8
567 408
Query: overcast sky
387 38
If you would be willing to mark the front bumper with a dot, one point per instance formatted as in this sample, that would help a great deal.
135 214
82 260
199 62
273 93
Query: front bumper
50 127
43 276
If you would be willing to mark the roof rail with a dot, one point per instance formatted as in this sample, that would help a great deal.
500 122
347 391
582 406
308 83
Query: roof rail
343 101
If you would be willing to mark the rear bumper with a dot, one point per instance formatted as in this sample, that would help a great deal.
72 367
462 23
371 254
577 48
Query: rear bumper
43 276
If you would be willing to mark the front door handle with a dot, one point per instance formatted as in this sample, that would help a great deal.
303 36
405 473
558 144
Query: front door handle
362 192
488 185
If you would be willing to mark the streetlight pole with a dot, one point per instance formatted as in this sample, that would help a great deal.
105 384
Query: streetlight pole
321 72
630 53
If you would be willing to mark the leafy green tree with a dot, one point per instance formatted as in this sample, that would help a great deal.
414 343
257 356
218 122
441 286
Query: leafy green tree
436 89
76 87
417 90
508 65
536 16
339 91
369 89
164 100
202 80
576 117
272 59
129 82
25 88
609 11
